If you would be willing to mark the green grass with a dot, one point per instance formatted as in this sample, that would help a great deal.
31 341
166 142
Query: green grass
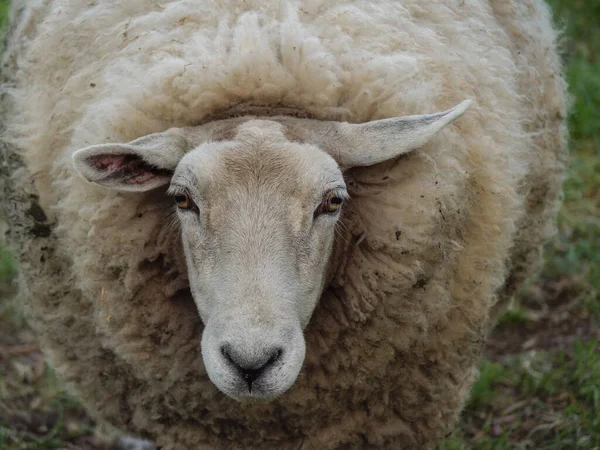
541 400
4 5
577 250
580 21
8 269
514 315
36 412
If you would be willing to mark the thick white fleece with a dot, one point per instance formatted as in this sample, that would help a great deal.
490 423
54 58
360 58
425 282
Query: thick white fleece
429 241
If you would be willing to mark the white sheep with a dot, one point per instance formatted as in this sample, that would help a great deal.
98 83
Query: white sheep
280 225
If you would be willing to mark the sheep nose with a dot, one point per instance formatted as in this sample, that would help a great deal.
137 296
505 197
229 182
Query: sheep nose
250 368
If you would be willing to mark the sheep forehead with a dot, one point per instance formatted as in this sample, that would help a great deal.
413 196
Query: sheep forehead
259 160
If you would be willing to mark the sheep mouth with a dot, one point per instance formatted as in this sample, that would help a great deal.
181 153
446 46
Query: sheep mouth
258 393
261 384
253 364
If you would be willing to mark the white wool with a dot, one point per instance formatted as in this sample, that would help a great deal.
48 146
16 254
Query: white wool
429 245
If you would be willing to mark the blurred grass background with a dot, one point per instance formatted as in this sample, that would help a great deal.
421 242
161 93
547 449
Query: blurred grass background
539 386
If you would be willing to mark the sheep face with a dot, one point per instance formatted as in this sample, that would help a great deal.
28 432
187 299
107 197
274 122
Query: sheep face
257 221
258 202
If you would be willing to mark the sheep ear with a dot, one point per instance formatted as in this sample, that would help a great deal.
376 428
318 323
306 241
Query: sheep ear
380 140
139 165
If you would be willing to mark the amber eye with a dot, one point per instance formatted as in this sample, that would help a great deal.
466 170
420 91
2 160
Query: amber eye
330 204
183 201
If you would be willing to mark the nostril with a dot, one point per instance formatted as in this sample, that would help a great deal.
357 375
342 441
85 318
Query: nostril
225 353
274 356
227 356
250 369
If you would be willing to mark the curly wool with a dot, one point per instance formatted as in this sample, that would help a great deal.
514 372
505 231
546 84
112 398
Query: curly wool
432 244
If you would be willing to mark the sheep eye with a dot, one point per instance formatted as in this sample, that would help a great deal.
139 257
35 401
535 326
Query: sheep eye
330 204
183 201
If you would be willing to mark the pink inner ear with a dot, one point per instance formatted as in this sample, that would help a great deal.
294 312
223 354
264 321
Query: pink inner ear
129 168
142 177
109 163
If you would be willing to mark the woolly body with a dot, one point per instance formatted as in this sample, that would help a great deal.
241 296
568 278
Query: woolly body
432 243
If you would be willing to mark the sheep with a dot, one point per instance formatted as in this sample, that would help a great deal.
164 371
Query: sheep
286 224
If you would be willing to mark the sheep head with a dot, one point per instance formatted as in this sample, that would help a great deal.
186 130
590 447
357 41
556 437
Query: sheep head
258 201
